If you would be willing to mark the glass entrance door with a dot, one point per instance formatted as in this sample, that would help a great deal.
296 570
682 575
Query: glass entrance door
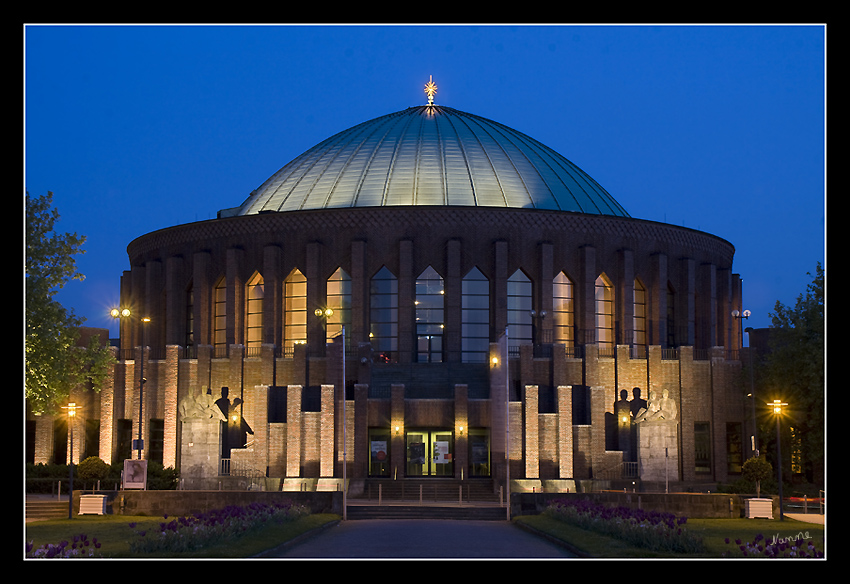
430 453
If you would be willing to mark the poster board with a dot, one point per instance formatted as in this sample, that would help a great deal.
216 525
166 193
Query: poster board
135 474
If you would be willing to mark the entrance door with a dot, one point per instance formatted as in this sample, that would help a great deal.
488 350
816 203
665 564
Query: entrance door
430 453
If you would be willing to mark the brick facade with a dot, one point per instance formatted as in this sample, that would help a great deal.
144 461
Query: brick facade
575 436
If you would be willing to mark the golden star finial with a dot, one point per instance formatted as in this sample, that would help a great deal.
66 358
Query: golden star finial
430 90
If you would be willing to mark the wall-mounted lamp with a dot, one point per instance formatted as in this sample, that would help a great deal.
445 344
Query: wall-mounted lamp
461 430
324 312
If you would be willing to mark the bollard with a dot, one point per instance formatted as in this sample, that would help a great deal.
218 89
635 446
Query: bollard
460 495
380 493
420 493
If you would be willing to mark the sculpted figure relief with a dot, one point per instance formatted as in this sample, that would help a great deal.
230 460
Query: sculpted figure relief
200 406
658 409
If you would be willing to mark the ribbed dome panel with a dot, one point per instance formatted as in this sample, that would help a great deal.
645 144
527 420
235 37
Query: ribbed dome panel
431 155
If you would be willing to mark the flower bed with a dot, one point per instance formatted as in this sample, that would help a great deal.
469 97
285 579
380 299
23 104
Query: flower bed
652 530
792 547
81 547
203 529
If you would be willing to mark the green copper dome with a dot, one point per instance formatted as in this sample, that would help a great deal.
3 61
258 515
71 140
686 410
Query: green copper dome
431 155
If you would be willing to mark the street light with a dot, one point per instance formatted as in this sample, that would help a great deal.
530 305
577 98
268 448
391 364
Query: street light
72 412
126 313
777 411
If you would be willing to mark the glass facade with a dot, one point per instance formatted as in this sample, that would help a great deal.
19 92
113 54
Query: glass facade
295 311
475 317
254 312
220 315
519 310
430 316
339 301
383 331
604 314
563 314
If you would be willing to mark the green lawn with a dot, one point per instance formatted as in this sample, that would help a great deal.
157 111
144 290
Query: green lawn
713 532
114 534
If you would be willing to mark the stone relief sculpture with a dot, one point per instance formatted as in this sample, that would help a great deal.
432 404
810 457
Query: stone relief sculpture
658 409
200 406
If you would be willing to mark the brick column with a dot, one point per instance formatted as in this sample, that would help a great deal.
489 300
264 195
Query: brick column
293 430
532 432
168 385
565 431
107 413
260 425
326 432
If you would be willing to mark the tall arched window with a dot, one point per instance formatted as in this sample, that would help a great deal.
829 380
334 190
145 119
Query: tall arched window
639 318
254 292
220 314
475 317
519 309
339 301
383 328
430 322
294 311
562 300
604 313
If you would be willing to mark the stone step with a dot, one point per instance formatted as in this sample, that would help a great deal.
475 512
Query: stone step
46 509
456 512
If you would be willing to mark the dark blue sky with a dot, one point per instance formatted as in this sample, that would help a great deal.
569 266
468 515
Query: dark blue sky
717 128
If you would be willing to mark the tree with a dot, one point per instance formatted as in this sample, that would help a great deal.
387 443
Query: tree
53 363
757 469
794 370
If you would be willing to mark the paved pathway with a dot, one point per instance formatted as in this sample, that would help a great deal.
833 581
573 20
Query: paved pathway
424 539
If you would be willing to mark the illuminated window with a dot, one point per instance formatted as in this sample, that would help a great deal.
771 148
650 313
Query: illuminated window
294 311
430 325
475 318
639 319
383 330
562 299
220 314
519 309
339 300
604 313
254 292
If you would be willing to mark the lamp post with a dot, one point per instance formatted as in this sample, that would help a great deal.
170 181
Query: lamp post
72 412
744 316
138 444
777 411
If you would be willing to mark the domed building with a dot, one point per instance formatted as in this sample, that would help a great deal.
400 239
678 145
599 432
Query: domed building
410 297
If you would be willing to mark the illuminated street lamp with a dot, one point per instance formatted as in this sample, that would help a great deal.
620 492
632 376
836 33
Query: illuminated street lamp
72 412
126 313
777 411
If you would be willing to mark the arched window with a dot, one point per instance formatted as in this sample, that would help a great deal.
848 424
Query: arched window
604 313
383 329
562 300
519 309
294 311
475 317
220 314
254 292
339 301
639 318
430 322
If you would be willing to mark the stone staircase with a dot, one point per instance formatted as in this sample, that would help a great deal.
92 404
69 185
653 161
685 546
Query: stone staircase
46 509
431 498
